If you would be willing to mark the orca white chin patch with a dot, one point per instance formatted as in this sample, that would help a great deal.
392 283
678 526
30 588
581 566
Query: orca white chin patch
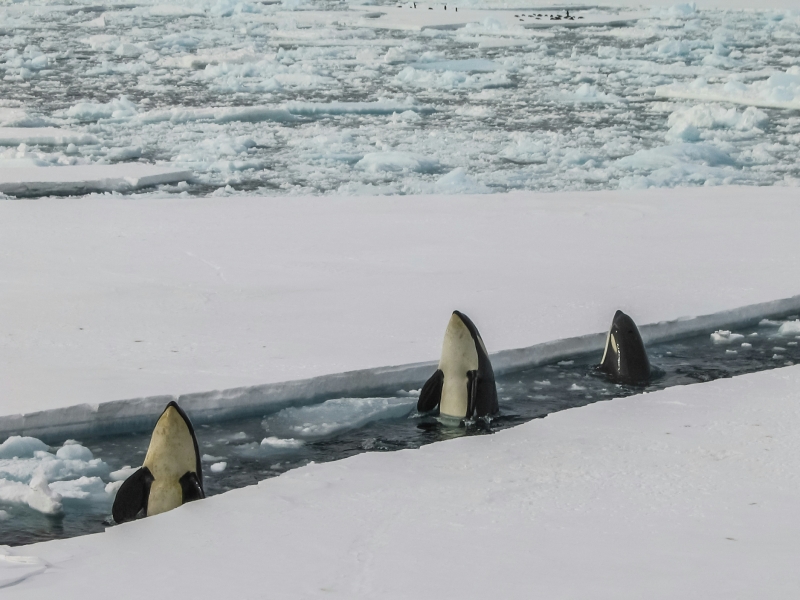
164 496
171 453
459 356
463 386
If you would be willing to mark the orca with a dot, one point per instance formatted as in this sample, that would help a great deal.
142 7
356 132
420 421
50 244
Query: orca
625 358
171 475
463 386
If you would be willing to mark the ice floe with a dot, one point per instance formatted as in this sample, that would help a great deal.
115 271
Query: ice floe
334 416
37 180
779 90
43 136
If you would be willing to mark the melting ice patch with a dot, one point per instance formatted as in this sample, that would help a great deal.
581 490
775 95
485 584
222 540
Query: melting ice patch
335 416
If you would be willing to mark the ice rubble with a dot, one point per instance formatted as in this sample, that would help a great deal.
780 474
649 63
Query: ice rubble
287 76
33 477
779 90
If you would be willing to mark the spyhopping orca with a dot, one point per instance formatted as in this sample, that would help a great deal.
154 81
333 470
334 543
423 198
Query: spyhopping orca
625 359
171 474
463 386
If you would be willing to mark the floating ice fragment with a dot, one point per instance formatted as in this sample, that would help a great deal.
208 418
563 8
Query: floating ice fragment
789 328
128 153
781 90
275 442
123 473
576 388
74 451
566 363
731 352
543 382
91 489
211 459
98 23
33 181
21 447
458 182
37 495
725 337
113 486
375 162
746 345
334 416
218 467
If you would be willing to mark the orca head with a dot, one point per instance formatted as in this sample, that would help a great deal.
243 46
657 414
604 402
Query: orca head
467 379
172 453
625 358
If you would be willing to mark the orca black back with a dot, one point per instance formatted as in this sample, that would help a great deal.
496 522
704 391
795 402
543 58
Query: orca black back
625 358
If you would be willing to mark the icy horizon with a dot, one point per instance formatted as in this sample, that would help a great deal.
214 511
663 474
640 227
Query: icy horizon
321 98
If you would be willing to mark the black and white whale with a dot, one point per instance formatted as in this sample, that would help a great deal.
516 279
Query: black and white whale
463 386
171 474
625 358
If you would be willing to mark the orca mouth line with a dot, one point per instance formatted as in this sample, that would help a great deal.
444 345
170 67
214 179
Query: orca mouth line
242 452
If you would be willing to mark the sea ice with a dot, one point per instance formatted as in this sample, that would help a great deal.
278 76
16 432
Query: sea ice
334 416
789 328
35 180
31 476
725 337
44 136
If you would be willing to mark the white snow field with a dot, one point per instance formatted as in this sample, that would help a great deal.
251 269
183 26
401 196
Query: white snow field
323 97
109 298
685 493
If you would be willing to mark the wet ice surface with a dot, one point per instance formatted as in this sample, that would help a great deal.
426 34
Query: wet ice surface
68 491
310 97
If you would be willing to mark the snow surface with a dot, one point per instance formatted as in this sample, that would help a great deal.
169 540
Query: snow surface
179 295
27 180
686 493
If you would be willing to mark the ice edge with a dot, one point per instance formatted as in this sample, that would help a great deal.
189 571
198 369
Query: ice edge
120 416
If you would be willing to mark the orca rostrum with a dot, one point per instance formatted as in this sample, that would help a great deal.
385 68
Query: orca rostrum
171 474
625 358
463 386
